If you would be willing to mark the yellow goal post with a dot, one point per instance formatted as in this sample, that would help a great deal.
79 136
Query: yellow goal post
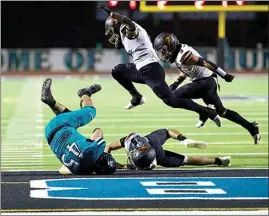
208 8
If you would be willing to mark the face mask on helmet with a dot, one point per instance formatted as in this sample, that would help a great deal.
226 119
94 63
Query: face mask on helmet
164 54
136 140
165 46
105 165
142 158
112 32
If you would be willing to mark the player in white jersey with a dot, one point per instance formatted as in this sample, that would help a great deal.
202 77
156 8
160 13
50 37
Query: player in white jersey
122 32
203 74
145 152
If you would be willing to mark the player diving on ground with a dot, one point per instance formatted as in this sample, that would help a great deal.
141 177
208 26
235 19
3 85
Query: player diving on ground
203 74
122 32
78 154
145 152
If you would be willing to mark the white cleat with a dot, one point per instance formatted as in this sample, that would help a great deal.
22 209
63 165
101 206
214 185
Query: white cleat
131 106
217 121
200 124
226 161
189 143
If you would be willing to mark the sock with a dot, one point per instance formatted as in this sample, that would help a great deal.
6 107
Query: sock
238 119
52 104
218 161
181 137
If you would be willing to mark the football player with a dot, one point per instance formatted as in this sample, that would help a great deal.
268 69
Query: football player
203 74
78 154
123 32
145 152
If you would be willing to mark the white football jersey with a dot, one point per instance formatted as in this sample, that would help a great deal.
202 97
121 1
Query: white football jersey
140 48
194 72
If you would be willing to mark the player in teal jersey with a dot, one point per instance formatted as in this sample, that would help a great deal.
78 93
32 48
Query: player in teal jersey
78 154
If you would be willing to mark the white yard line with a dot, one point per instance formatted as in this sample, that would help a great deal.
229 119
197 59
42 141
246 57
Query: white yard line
28 101
191 153
187 134
111 120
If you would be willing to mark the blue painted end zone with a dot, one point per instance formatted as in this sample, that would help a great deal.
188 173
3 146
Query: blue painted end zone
158 188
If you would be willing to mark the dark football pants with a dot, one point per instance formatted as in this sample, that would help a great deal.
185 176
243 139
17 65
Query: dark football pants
207 90
153 75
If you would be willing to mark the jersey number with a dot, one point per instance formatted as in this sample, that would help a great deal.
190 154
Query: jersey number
74 149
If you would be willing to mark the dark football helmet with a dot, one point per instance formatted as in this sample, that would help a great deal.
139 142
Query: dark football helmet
166 46
143 157
105 165
112 32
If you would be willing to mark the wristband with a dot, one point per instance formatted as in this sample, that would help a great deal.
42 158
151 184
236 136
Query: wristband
221 72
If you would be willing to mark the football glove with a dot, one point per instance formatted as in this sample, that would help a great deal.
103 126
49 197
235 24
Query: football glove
104 9
228 77
174 86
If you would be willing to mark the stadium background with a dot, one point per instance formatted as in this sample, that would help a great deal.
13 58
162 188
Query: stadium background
65 41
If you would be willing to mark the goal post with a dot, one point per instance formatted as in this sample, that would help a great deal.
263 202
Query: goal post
208 8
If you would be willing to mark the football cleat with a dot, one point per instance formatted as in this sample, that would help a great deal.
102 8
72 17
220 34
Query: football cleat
225 161
200 124
217 121
89 90
130 105
256 132
46 96
189 143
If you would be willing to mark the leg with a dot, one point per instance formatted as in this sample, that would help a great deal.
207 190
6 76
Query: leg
97 133
154 77
125 74
47 98
233 116
197 160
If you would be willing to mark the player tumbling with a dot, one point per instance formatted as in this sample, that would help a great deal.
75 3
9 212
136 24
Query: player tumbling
77 154
123 32
145 152
203 74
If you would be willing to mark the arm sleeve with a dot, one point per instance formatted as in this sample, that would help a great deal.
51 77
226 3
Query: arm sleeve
131 29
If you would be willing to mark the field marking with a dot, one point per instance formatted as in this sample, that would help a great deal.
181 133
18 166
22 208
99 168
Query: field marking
16 131
162 169
99 120
187 134
153 213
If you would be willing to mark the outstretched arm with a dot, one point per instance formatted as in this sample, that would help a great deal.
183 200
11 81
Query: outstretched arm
179 80
131 30
189 59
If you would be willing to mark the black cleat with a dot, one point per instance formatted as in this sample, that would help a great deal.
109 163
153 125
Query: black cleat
89 90
202 120
256 132
46 96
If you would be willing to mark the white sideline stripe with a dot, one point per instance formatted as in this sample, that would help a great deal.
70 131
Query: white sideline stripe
148 213
187 134
159 126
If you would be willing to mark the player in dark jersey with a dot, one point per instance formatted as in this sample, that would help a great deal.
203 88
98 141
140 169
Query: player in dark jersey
145 152
78 154
203 74
122 32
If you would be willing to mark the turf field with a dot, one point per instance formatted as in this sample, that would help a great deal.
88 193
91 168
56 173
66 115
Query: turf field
30 167
24 118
